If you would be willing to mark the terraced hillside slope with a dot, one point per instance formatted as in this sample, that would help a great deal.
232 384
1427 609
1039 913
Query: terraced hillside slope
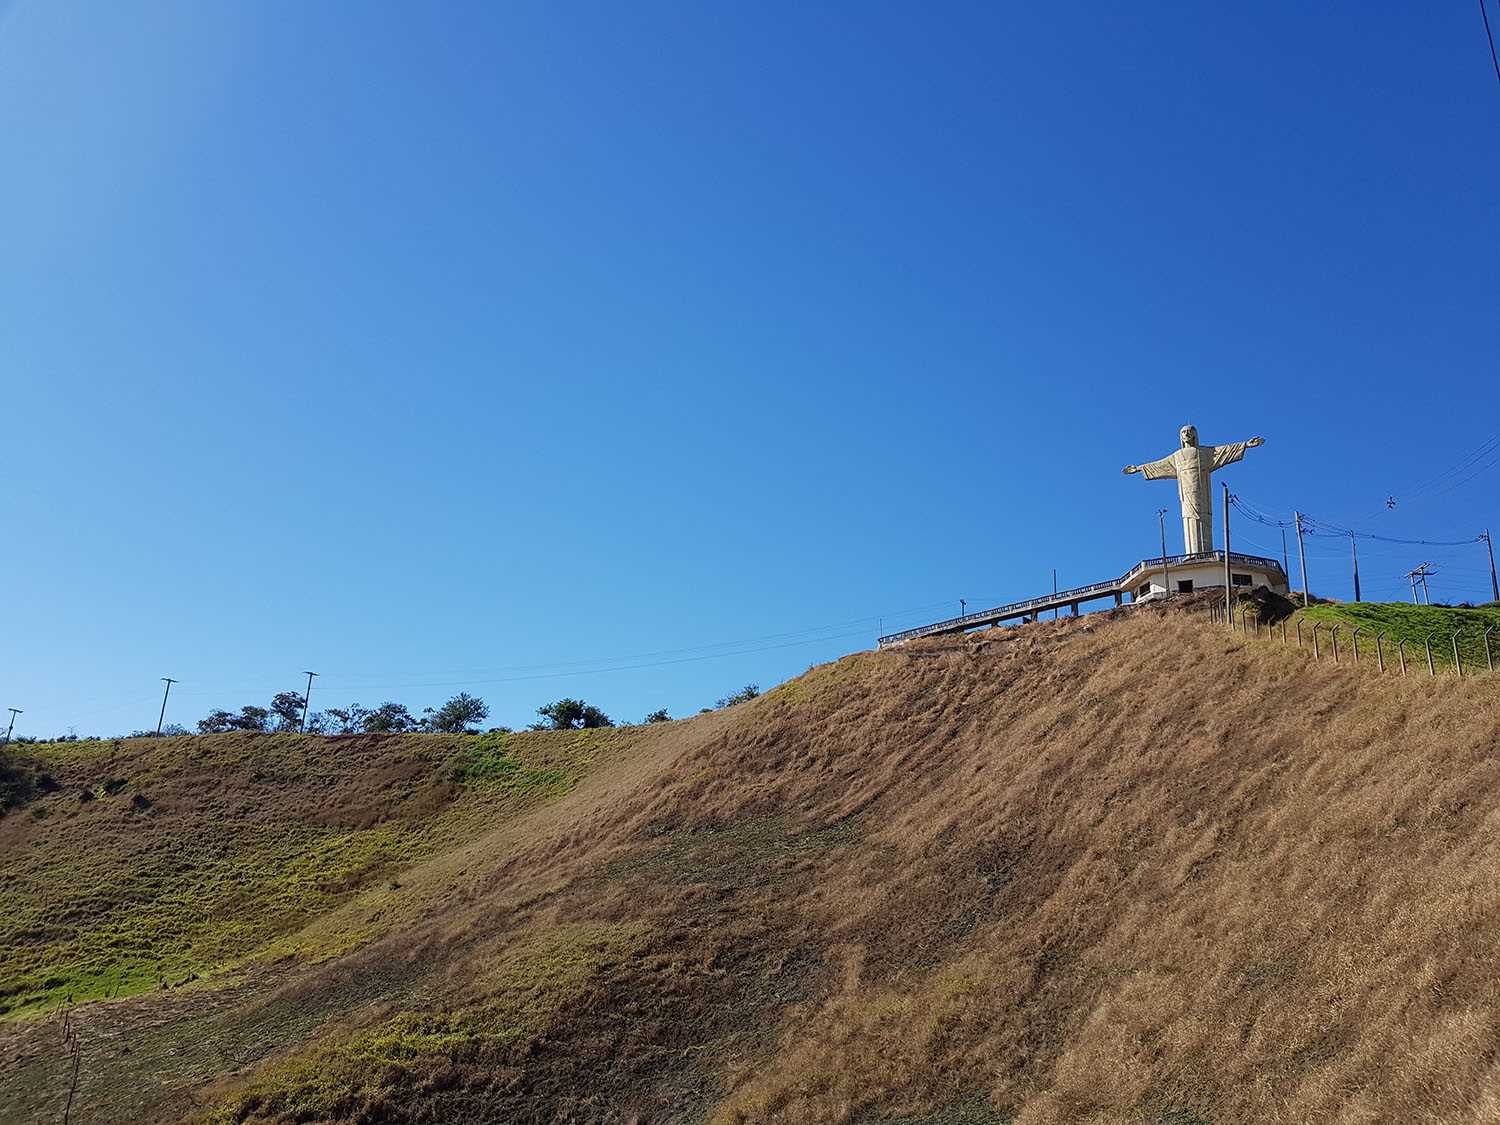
1118 868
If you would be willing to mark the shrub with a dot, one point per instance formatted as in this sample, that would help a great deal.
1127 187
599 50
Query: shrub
744 695
571 714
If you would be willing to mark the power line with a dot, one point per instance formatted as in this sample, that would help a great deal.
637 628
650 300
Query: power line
1313 526
1495 62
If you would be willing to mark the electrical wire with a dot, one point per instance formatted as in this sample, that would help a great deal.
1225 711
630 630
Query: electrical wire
1494 61
1313 526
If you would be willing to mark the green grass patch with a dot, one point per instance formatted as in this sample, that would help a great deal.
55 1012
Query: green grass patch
1413 624
158 861
491 760
520 999
168 915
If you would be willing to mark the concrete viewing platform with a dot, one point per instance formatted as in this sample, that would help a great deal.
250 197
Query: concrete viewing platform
1186 573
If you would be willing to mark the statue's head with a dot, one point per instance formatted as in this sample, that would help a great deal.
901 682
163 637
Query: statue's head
1189 436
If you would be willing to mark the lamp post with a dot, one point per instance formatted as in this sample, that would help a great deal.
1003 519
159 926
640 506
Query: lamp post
1166 571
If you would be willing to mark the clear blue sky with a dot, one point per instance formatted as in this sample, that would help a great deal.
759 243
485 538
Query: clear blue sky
493 347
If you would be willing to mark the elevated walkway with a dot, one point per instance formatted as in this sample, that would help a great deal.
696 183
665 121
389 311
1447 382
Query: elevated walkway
1116 588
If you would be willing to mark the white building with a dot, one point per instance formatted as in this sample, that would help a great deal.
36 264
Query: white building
1182 574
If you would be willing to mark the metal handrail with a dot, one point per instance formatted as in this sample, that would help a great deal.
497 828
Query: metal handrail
1079 593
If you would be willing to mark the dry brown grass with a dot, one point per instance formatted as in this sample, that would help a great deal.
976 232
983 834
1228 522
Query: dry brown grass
1123 868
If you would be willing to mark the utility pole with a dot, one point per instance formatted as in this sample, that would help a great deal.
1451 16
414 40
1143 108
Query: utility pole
1286 567
1228 583
169 682
1490 546
1419 574
1354 551
14 711
305 698
1166 570
1302 558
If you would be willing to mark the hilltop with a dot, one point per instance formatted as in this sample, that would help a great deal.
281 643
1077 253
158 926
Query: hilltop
1125 867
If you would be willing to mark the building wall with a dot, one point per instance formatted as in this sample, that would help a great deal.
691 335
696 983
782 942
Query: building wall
1208 576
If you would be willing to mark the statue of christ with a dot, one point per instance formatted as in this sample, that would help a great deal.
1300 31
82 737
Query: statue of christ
1191 466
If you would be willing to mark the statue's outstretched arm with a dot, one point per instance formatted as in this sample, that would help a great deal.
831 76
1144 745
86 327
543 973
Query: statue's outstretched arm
1229 454
1155 470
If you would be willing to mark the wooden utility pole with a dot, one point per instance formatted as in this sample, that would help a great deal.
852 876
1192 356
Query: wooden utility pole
1354 552
305 698
1228 583
14 711
169 681
1302 558
1286 567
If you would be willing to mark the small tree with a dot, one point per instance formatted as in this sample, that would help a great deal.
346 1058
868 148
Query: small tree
571 714
215 722
459 713
219 721
319 723
349 719
744 695
390 718
287 707
660 716
251 718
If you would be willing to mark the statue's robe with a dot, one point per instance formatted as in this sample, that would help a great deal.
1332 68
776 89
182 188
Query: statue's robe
1191 466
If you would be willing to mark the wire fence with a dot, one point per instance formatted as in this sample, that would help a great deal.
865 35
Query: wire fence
1340 642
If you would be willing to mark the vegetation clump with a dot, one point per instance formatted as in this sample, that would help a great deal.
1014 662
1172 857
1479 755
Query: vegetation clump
388 1063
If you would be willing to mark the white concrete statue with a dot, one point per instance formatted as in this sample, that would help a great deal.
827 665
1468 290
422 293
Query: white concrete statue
1191 466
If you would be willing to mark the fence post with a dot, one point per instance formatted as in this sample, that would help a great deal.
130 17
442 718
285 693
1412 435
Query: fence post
1401 652
1335 644
1379 656
1431 671
1354 640
1458 664
1489 660
1283 630
1299 634
1317 654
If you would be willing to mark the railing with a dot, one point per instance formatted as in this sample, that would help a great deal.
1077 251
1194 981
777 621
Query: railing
1077 594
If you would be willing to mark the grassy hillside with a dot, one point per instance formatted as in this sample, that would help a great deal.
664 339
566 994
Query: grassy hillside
1118 868
140 864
